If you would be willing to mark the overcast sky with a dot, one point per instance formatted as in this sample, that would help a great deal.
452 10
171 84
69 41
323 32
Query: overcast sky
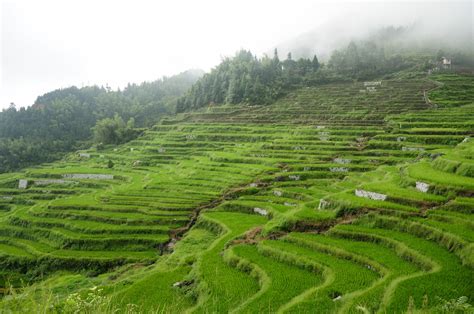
48 44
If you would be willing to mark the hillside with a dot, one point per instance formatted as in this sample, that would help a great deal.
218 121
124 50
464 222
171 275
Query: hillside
61 121
343 197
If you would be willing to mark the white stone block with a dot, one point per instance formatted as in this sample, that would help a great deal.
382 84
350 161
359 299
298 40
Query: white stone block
260 211
88 176
422 186
323 204
371 195
339 169
52 181
22 184
342 161
413 149
277 193
374 83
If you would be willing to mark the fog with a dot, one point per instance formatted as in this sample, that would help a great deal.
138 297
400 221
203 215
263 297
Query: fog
53 44
427 25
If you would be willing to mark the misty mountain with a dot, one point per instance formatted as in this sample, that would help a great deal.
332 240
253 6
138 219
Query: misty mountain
397 28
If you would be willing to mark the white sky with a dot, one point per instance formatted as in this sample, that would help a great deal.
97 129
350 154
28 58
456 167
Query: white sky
47 44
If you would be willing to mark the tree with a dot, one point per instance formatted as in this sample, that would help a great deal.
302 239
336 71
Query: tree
113 131
110 164
276 60
315 63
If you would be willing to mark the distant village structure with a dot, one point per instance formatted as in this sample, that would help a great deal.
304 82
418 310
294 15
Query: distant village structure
446 63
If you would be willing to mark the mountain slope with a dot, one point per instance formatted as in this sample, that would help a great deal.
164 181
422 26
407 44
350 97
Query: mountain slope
61 121
285 203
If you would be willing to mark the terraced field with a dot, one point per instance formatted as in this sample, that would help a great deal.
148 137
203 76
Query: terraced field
333 199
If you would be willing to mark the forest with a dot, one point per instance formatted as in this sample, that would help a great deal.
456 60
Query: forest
248 79
62 120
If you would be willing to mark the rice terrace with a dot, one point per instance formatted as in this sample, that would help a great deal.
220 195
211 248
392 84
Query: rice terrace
263 186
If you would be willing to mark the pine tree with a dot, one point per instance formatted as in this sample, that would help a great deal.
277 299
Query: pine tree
315 63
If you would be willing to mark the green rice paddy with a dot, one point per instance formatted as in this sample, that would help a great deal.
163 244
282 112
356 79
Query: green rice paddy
256 209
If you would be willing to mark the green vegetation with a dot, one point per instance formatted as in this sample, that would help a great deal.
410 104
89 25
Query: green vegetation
333 198
114 131
61 120
245 79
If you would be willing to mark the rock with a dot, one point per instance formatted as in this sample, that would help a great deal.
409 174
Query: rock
84 155
339 169
260 211
413 149
342 161
294 177
52 181
374 83
323 204
422 186
23 184
371 195
253 185
277 193
136 163
88 176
